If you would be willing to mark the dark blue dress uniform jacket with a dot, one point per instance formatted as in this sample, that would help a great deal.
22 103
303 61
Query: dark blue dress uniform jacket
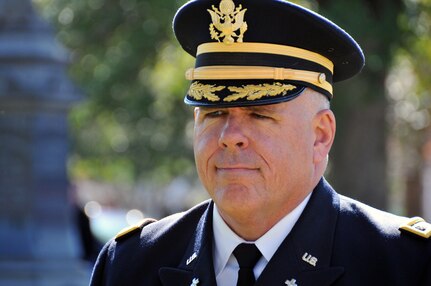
336 241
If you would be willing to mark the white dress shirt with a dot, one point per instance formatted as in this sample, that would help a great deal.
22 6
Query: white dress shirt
225 240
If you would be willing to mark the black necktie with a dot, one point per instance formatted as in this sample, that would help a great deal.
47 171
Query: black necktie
247 255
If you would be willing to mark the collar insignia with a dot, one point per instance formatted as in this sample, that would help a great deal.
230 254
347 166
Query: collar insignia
310 259
291 282
191 258
226 20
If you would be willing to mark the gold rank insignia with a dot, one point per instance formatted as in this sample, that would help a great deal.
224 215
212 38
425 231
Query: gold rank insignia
418 226
226 20
125 232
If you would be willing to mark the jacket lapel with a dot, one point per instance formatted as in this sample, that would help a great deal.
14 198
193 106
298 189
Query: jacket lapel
302 259
304 256
196 268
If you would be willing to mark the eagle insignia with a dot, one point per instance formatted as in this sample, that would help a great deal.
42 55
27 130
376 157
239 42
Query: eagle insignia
226 21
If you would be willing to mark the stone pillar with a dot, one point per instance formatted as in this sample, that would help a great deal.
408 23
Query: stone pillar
38 241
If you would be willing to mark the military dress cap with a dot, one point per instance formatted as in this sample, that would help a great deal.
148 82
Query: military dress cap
254 52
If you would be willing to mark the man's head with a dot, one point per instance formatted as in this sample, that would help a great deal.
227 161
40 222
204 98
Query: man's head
261 88
259 162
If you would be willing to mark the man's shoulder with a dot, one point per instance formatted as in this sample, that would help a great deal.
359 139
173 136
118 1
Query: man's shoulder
148 245
152 230
366 219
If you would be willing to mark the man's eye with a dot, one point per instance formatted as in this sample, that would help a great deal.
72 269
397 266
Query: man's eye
259 116
215 113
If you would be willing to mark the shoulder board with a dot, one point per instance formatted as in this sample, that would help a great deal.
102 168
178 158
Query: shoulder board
417 226
125 232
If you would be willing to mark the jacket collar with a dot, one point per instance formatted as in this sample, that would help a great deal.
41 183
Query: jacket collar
196 267
302 259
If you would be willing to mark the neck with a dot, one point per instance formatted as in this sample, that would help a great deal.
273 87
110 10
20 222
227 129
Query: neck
251 227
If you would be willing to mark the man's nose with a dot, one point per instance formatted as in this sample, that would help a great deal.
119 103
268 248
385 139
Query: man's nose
233 134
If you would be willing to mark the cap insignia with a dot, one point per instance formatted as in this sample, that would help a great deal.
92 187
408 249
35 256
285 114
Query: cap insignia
226 20
250 92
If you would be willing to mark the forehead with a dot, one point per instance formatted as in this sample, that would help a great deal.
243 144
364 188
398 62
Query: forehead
261 108
307 99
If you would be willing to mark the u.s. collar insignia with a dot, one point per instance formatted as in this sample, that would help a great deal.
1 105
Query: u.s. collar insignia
226 20
310 259
191 258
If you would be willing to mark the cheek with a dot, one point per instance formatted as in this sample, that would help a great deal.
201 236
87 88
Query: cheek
204 145
291 151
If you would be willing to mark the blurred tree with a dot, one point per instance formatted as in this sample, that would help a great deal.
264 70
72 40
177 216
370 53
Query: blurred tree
133 124
409 90
393 88
359 159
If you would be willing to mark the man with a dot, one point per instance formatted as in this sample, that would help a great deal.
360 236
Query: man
263 130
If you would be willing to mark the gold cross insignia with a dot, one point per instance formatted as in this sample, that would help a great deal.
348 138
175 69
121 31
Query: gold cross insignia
291 282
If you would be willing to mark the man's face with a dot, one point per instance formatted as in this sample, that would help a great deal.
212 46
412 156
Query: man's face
256 161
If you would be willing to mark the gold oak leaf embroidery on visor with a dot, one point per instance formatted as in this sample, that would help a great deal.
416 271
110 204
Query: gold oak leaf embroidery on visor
254 92
198 91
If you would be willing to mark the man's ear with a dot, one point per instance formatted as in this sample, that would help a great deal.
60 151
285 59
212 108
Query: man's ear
324 132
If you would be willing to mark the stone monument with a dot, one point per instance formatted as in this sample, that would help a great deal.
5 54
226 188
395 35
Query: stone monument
38 240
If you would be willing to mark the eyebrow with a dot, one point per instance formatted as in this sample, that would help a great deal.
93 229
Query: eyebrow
260 108
256 108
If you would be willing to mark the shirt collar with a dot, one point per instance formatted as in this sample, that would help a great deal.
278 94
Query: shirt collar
225 240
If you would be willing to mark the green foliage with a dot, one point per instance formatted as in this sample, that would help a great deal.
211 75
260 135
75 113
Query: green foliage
132 122
410 87
418 45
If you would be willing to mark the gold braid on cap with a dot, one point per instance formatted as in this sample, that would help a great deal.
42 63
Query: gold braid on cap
234 72
258 73
266 48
